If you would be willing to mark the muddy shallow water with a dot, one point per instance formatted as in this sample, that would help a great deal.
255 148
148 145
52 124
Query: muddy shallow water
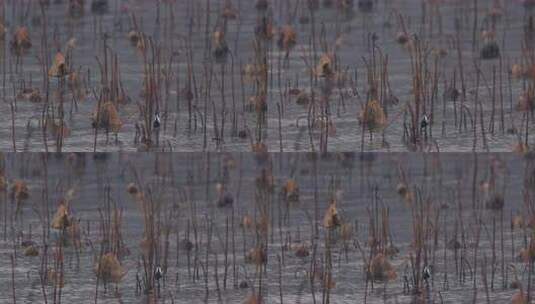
181 28
182 187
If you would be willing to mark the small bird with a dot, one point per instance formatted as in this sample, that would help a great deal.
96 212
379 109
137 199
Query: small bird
158 273
427 273
157 122
425 122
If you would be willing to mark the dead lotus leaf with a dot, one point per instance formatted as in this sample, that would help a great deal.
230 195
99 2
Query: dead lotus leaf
265 180
519 72
21 39
253 299
257 256
519 298
108 118
291 189
381 269
262 224
257 104
331 220
109 268
19 190
372 116
59 66
517 222
31 251
61 219
287 38
325 66
218 38
403 190
291 186
247 222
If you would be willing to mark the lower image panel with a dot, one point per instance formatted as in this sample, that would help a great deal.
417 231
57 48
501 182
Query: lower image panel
266 228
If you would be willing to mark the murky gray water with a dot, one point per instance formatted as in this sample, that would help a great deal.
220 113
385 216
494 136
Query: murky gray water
185 184
190 19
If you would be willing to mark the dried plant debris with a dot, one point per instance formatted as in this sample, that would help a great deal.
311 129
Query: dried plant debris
253 299
331 219
21 41
287 38
109 269
221 49
224 198
380 269
107 118
325 66
59 66
61 219
19 190
372 116
291 190
257 256
31 251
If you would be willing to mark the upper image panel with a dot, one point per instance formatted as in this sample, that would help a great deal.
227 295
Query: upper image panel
267 75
